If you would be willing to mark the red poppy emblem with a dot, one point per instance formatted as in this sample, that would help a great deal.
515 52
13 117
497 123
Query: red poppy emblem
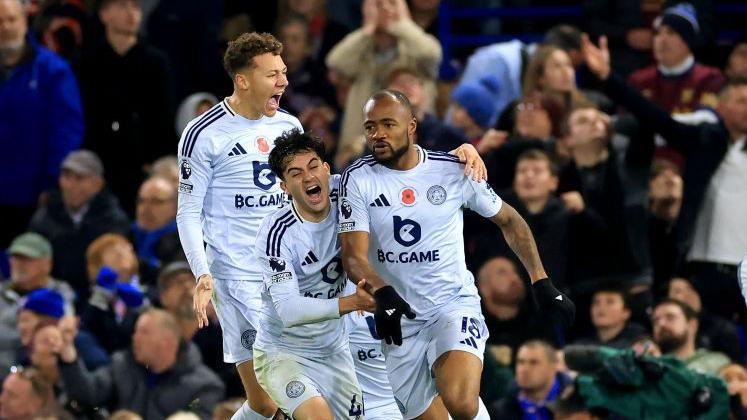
262 145
407 196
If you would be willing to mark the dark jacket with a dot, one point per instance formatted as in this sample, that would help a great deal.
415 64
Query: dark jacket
130 122
704 147
41 121
156 249
509 408
433 134
70 241
126 384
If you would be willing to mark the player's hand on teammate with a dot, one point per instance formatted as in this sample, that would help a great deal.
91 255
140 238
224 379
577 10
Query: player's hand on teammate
474 166
389 310
202 296
364 300
551 299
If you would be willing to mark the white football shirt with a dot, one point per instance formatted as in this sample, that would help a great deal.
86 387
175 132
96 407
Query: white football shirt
226 188
415 222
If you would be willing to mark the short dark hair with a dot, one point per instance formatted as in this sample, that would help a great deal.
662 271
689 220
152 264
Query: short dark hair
566 37
241 50
732 83
688 311
539 154
614 288
549 349
104 3
291 143
403 69
396 95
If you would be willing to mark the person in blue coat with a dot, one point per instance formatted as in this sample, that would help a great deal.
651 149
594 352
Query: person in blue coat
42 119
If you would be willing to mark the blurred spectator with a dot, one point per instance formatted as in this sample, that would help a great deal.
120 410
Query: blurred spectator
473 110
664 204
41 119
159 375
736 66
308 86
425 14
431 133
509 61
551 71
183 415
714 332
128 123
675 328
539 116
194 55
192 107
30 267
610 316
388 38
538 381
124 415
511 314
225 410
735 376
677 83
61 25
176 286
166 167
711 231
116 300
26 395
154 231
74 215
613 184
323 30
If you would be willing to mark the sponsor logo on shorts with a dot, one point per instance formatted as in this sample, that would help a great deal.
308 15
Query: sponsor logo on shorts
436 195
294 389
280 277
185 188
346 226
247 338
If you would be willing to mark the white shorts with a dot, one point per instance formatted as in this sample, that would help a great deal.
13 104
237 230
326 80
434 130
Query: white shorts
387 412
237 303
457 326
290 380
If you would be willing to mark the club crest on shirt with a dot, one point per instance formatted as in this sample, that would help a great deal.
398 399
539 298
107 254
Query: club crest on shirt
262 145
247 338
186 169
408 196
436 195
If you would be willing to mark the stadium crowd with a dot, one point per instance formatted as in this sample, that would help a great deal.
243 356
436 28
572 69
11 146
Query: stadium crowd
622 141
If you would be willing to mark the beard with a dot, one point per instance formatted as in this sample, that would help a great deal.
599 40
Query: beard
395 155
669 342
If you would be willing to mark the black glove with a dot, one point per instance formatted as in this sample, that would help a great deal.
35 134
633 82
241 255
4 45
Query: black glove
389 309
550 298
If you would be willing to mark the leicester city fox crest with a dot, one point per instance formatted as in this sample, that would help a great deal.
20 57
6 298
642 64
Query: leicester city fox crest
277 265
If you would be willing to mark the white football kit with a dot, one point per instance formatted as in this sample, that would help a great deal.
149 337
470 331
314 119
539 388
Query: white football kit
416 244
302 350
226 188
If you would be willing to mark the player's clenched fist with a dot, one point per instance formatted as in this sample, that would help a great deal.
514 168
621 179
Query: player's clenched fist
203 294
550 298
389 310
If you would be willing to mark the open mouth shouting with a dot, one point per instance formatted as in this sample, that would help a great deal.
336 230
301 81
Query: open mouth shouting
274 102
314 194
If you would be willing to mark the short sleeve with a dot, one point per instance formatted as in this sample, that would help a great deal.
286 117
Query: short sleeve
480 197
353 211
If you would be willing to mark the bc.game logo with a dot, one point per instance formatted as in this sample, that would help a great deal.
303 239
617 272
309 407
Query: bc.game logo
406 231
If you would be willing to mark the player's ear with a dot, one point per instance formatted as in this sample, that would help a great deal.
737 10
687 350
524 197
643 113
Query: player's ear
412 126
284 188
326 166
241 81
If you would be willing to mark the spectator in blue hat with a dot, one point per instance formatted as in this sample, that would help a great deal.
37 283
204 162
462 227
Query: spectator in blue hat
474 111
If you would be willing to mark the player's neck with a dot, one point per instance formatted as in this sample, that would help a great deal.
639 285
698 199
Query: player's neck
243 107
407 161
312 216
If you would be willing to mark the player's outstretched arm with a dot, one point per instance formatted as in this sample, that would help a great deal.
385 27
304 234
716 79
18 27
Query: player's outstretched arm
519 237
355 260
361 300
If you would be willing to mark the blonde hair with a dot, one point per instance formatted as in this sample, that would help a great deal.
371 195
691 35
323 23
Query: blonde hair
95 254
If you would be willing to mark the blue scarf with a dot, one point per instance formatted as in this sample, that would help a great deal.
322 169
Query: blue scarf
538 411
146 242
